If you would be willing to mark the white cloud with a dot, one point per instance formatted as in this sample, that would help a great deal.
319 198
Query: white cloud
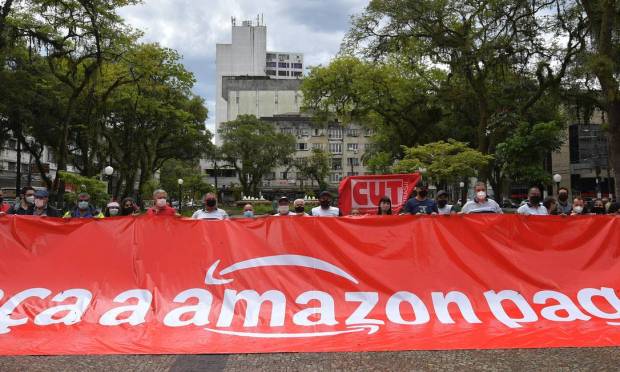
193 27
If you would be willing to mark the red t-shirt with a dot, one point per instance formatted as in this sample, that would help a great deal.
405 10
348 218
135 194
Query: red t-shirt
4 207
165 211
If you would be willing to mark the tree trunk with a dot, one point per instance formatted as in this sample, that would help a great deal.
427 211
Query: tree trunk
613 115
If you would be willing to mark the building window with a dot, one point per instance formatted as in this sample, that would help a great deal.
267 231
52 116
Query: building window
297 73
353 132
317 146
335 177
271 56
352 146
353 161
336 163
283 57
12 166
335 133
290 131
284 175
335 148
282 73
316 132
270 72
302 146
12 144
368 132
272 64
297 65
283 64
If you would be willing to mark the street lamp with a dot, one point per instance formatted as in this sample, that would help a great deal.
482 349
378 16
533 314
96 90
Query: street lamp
108 171
461 185
557 178
180 182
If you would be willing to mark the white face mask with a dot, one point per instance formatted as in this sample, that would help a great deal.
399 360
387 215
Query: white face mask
30 199
481 195
113 211
578 209
40 203
283 209
160 203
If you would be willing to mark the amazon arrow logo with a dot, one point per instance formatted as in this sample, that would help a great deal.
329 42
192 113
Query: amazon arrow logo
279 260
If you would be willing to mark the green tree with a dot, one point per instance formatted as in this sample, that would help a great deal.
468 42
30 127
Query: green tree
253 147
194 186
602 59
94 187
315 167
445 162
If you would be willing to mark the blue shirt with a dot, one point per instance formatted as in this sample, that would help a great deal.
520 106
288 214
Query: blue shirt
415 206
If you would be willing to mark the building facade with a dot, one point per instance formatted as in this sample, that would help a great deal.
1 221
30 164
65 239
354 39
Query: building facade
583 161
247 55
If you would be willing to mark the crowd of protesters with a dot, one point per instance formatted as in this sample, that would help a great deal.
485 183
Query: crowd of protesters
35 203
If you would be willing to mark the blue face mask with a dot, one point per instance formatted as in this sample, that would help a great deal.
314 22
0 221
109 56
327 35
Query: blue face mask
248 214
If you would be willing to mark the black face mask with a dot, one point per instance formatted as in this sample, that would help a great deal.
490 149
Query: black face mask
324 203
299 209
442 203
127 211
563 197
211 202
423 194
535 200
598 210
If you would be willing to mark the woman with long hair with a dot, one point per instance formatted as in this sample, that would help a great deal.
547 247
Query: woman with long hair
385 206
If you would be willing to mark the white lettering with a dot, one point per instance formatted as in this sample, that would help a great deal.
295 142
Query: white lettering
441 303
11 304
254 302
138 311
564 304
75 310
585 300
419 309
325 312
368 301
200 310
495 304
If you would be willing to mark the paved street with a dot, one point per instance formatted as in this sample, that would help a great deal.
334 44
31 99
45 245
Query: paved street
583 359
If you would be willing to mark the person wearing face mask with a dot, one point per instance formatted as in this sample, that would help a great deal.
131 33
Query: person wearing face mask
160 205
481 202
442 203
578 206
4 207
129 207
614 208
83 208
533 205
41 207
26 202
283 207
210 210
564 207
421 204
299 206
113 209
325 208
599 207
248 211
385 206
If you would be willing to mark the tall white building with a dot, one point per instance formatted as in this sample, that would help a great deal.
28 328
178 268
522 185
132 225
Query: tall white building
247 55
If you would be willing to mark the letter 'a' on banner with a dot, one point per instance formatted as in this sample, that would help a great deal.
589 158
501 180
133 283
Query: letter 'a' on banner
364 192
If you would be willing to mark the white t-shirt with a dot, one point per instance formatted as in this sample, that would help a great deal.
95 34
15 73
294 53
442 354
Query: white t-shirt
486 206
216 214
445 210
320 212
525 209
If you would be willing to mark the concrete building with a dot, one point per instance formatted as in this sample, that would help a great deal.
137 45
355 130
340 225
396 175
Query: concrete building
247 55
278 101
583 161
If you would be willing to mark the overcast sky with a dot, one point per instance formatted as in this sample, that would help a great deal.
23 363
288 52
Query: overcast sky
193 27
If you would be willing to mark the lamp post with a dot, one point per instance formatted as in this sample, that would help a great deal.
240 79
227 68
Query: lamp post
557 178
461 185
180 182
108 173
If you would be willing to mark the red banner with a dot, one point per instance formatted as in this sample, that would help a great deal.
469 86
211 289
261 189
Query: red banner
166 285
364 192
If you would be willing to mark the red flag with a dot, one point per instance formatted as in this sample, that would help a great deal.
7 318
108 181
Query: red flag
364 192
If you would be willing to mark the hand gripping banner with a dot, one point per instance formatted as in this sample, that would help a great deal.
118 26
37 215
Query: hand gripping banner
166 285
364 192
